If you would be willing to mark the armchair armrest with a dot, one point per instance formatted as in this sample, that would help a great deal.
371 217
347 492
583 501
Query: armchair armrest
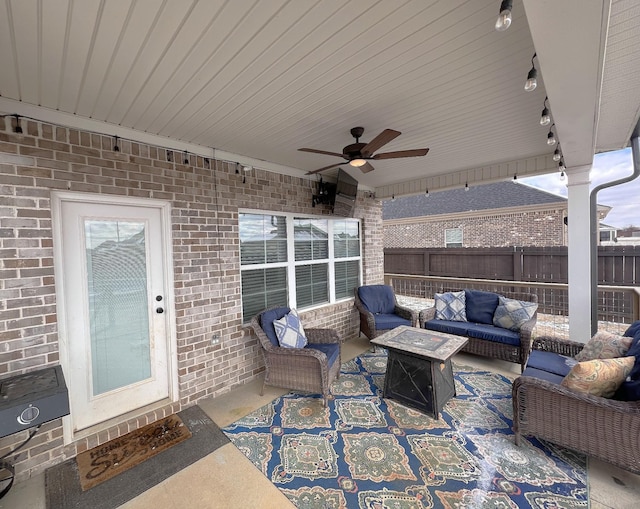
426 315
557 345
322 335
407 314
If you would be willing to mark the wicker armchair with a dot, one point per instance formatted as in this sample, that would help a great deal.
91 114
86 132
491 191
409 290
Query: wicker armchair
373 323
604 428
302 369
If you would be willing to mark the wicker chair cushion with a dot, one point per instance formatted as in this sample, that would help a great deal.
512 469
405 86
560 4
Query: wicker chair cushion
474 330
604 345
266 322
543 375
599 377
390 321
290 331
551 362
512 314
493 333
377 298
480 306
450 306
630 388
331 350
448 326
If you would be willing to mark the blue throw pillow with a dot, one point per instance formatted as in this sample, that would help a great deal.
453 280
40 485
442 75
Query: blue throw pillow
630 388
289 331
480 306
512 314
450 306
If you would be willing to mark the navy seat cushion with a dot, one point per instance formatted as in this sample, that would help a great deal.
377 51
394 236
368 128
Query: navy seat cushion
543 375
551 362
266 322
386 321
480 306
331 350
377 298
633 328
448 326
493 333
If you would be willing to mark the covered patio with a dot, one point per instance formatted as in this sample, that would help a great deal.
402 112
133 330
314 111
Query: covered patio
198 109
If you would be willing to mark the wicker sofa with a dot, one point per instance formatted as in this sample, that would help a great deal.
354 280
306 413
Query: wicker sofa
604 428
484 337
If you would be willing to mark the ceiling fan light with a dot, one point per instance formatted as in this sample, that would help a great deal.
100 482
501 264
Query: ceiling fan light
357 162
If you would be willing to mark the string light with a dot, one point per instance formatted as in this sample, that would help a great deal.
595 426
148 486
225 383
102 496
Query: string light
545 118
186 157
551 138
556 154
504 18
18 128
532 81
466 186
116 148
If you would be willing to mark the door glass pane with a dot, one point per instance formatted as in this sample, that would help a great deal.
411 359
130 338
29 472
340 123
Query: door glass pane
118 303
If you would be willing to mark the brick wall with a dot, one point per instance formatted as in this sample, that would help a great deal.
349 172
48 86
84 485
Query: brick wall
511 228
205 197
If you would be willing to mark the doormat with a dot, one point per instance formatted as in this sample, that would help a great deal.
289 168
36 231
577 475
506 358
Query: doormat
108 460
62 482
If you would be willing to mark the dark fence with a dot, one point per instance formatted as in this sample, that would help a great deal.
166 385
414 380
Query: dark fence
617 265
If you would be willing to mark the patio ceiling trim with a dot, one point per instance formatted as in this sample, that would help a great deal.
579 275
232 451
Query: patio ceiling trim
473 176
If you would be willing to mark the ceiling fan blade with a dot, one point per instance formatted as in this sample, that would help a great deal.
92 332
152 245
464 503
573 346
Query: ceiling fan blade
366 168
402 153
325 168
382 139
314 151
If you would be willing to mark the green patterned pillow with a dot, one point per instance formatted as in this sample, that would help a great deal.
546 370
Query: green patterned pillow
450 306
512 314
599 377
604 345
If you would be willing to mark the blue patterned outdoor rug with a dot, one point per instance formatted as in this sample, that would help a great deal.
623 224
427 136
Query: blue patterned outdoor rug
367 452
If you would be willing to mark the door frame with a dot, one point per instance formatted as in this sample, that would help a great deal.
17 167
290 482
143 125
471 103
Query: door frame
57 198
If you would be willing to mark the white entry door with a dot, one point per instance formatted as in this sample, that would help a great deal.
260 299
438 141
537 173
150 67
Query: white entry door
112 279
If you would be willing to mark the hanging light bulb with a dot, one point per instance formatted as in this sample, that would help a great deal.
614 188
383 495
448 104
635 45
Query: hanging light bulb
556 155
186 157
545 117
18 128
561 165
515 179
116 148
551 138
426 192
466 186
504 18
532 82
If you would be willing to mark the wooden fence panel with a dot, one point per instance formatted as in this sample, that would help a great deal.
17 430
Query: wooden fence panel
617 265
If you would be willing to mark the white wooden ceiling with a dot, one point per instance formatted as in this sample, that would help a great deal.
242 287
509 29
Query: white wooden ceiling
256 80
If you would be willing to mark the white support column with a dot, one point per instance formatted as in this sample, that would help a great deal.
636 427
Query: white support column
579 256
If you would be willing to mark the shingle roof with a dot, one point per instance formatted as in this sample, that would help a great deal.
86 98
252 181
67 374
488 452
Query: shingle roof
488 196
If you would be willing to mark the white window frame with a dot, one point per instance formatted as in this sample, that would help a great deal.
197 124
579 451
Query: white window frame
291 262
449 232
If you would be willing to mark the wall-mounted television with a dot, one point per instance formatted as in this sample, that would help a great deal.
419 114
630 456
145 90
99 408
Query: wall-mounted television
346 191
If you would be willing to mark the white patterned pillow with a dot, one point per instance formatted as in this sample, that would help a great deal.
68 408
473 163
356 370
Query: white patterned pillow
289 331
512 314
451 306
604 345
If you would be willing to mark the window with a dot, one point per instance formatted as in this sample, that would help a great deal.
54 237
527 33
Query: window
453 237
300 262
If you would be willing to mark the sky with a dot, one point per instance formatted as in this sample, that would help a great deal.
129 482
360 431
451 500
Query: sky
608 166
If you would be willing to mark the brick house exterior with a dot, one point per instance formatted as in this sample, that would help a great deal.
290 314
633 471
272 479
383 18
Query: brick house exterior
205 197
492 215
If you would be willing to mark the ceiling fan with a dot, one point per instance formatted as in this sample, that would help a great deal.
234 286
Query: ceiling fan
359 153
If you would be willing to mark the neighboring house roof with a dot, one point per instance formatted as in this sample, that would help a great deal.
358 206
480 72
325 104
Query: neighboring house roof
504 194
